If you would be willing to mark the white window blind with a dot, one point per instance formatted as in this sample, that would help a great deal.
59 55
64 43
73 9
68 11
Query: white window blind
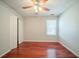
51 27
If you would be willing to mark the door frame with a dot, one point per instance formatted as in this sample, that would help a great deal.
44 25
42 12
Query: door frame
17 32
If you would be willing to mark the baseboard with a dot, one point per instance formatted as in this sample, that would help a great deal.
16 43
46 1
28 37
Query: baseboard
21 42
5 53
68 48
39 41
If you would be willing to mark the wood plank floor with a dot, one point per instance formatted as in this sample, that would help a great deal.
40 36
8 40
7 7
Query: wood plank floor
39 50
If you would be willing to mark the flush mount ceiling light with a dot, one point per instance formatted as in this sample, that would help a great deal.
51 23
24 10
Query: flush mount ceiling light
37 5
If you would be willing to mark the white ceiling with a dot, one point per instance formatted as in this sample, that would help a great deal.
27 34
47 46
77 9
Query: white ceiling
56 7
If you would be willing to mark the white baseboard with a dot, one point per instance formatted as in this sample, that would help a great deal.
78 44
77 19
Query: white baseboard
21 42
39 41
5 53
69 49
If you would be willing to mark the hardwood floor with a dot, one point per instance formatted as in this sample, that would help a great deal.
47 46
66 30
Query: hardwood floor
39 50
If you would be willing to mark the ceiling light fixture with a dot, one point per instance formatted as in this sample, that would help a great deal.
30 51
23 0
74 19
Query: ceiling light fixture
38 3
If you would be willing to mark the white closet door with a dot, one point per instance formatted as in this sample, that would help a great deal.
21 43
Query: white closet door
13 31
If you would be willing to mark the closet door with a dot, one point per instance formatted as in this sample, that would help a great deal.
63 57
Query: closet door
13 31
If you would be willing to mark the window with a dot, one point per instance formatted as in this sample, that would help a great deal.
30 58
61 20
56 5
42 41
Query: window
51 27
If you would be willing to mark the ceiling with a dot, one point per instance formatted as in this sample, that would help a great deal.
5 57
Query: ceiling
56 7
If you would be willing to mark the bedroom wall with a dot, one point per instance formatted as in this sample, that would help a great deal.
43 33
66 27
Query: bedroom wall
69 29
35 29
8 28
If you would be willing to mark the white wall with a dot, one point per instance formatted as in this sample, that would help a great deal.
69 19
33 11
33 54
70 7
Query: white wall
69 29
35 29
7 17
